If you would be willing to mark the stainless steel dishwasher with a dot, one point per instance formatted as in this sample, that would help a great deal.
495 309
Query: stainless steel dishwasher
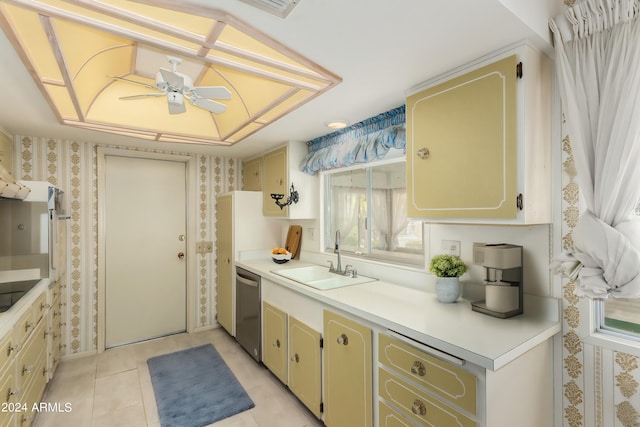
248 322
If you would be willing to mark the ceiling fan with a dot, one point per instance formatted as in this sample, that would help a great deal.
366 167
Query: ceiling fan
177 86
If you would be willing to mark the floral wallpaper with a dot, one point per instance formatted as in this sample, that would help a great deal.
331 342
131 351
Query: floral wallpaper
72 166
600 386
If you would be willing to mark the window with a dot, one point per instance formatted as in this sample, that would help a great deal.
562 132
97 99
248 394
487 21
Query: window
620 315
368 205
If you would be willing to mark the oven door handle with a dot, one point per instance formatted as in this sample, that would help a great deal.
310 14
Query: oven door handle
246 281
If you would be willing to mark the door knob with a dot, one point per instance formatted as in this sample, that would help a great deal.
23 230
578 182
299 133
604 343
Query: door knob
181 255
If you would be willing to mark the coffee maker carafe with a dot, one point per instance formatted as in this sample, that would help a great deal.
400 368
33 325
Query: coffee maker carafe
503 279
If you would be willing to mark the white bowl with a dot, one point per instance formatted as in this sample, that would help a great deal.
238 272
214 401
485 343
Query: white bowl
281 258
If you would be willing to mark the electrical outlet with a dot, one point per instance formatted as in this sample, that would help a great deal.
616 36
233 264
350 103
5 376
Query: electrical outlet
451 247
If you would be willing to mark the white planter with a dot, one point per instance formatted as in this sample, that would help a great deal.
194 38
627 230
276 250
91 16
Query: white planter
448 289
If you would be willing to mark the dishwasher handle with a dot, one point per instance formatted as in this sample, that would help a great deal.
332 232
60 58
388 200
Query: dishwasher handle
246 281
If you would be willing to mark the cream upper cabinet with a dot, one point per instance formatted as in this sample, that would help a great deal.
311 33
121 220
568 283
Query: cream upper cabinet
478 142
274 335
252 174
347 372
305 368
281 171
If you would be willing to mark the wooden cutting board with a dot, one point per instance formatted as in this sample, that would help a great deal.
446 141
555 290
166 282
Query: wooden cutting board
294 237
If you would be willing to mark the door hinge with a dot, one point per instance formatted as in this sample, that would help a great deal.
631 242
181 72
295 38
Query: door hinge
519 70
321 343
519 202
321 407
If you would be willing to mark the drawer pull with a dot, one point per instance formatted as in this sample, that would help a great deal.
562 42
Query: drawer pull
27 326
9 394
25 369
343 339
296 358
418 368
10 348
277 343
423 153
419 408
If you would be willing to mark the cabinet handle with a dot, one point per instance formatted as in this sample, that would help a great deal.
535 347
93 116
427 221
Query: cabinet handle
343 339
10 348
418 368
277 343
423 153
27 326
419 407
9 394
295 358
25 369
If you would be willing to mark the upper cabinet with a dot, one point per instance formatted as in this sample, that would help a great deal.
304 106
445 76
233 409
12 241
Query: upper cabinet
478 142
252 174
281 174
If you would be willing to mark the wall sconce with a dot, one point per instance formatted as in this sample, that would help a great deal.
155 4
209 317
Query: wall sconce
292 198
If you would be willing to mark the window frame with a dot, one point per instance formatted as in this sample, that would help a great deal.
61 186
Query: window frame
394 156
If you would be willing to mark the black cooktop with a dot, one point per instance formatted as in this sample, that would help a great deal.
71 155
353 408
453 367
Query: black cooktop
11 292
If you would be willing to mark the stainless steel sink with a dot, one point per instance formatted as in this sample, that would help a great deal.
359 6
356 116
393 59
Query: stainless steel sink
319 277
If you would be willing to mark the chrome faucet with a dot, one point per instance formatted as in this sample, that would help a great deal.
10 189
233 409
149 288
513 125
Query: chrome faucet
336 250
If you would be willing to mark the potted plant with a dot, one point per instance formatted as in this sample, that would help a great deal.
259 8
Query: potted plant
448 269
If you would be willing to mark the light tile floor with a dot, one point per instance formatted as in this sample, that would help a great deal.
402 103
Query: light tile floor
114 388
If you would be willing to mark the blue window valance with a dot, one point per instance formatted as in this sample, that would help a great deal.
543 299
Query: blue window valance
362 142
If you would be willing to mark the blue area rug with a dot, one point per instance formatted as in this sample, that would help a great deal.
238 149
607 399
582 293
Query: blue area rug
194 388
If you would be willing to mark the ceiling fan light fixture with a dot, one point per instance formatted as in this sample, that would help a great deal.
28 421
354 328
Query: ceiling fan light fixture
337 124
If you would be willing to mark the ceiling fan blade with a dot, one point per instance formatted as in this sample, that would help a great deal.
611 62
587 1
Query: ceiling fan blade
132 81
174 80
217 92
146 95
207 104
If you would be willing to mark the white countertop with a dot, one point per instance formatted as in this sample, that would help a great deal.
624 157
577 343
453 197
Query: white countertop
10 317
453 328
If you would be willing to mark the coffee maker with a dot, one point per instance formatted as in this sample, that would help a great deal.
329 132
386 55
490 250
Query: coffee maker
503 279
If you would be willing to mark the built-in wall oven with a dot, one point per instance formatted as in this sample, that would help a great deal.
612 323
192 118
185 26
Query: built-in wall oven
248 324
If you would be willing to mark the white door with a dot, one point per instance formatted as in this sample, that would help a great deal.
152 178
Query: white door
145 243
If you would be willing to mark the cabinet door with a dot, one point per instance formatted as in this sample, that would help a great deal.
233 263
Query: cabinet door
7 394
224 252
252 175
274 353
461 146
275 181
305 373
347 372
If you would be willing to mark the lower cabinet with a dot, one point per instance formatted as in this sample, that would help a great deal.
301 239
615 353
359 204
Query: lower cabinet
291 350
26 363
305 371
347 372
274 345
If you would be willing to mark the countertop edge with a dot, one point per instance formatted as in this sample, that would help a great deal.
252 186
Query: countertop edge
493 363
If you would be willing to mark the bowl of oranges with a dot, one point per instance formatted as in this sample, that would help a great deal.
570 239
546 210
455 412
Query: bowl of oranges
280 255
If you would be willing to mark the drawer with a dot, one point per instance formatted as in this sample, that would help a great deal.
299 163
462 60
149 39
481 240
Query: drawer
24 327
32 394
7 350
40 307
391 418
28 357
447 380
417 404
7 394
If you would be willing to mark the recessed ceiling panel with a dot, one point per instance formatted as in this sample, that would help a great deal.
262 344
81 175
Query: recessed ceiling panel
98 64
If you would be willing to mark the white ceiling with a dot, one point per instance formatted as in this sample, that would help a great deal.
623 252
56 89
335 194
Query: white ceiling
380 49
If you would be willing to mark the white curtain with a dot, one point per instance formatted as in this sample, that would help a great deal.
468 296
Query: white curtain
346 205
389 216
598 67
